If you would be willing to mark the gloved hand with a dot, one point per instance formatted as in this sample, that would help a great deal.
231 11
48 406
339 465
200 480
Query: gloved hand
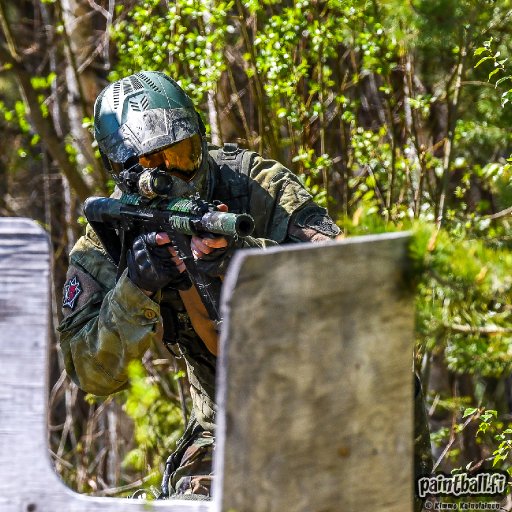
152 266
213 253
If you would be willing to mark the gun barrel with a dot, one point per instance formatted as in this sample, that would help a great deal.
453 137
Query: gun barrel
229 224
107 210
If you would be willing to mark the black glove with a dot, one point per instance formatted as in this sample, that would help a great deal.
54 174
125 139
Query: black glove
215 264
151 268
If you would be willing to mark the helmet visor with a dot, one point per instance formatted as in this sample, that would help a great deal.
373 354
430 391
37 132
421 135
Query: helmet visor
181 158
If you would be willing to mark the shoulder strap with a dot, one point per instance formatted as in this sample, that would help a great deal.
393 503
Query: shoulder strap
232 176
236 158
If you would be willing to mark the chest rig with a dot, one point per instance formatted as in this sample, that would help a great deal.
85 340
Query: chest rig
230 168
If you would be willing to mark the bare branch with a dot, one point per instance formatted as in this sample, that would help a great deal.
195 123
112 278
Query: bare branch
123 488
487 330
100 9
499 215
452 438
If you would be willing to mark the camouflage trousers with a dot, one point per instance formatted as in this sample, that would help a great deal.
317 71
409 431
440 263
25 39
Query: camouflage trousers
189 472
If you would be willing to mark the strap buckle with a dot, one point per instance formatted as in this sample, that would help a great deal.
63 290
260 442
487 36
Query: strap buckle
230 150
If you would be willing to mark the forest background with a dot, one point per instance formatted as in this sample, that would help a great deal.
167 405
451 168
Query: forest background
395 115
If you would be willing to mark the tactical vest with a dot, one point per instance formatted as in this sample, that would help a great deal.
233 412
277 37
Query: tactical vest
231 168
228 182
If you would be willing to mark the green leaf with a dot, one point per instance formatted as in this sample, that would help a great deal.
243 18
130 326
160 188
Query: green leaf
503 79
493 72
483 60
469 411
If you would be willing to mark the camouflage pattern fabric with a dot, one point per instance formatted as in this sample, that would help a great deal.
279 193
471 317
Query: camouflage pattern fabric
194 476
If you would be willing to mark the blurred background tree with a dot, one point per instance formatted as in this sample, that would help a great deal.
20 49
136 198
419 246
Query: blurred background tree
395 115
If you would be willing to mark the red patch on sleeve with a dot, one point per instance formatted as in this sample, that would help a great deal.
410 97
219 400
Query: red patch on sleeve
72 289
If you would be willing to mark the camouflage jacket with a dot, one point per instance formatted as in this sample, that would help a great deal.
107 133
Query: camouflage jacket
107 324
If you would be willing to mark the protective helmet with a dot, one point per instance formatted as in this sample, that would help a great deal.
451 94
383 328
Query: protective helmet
142 114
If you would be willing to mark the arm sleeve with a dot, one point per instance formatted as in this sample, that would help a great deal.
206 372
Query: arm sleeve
284 211
106 324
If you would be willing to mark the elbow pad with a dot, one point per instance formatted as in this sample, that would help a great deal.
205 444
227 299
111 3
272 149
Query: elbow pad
312 224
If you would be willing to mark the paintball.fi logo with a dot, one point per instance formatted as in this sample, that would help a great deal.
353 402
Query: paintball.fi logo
489 483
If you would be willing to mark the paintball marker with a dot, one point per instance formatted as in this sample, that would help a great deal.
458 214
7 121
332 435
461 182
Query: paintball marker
118 221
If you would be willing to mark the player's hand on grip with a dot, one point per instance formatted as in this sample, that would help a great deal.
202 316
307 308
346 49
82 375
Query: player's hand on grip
153 264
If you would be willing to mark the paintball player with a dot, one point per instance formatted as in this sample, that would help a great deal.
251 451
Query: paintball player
113 314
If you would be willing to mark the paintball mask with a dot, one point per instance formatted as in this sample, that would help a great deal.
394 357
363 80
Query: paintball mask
149 134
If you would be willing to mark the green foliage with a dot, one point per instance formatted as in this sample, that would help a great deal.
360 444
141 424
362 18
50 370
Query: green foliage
492 426
502 453
15 119
183 38
462 301
463 289
499 73
157 420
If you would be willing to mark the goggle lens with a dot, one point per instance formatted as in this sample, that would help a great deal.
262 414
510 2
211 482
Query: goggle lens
183 156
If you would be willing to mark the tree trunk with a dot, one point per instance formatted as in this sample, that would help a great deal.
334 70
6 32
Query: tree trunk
82 83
